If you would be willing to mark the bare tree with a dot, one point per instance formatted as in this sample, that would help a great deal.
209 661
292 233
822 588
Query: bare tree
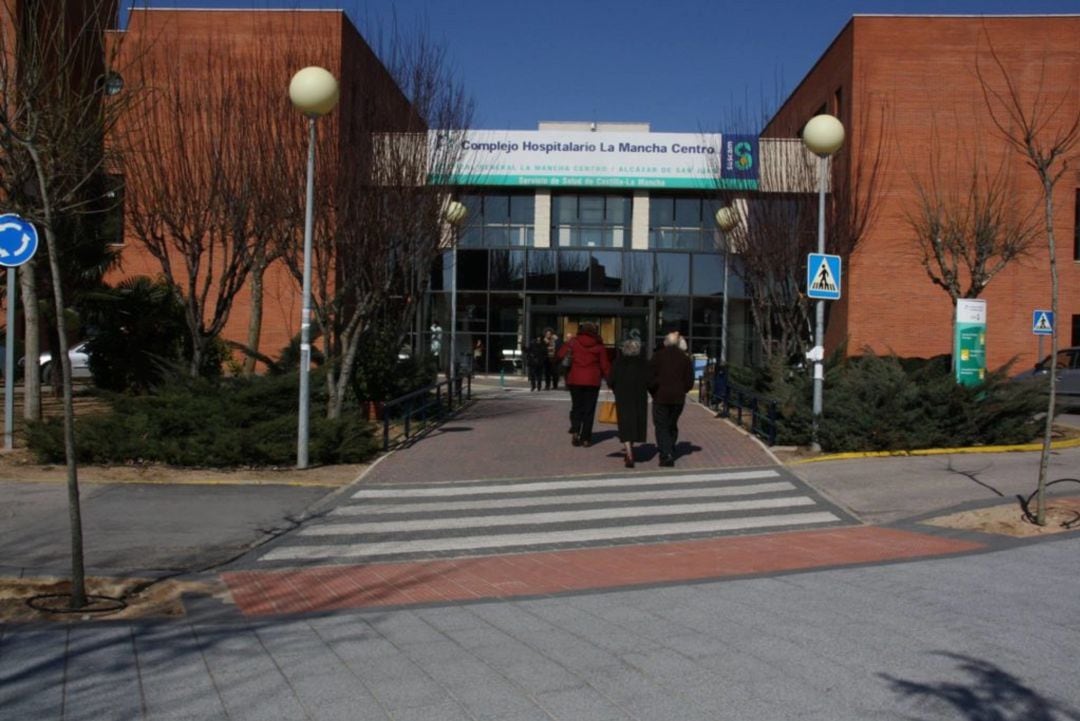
203 173
968 221
777 228
54 118
1040 121
380 227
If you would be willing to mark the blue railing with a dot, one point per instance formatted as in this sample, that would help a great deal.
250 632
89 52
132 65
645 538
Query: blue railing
416 412
753 411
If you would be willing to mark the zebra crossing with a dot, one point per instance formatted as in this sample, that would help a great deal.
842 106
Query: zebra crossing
441 520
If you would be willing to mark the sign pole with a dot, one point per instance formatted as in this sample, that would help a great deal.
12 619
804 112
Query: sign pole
9 365
18 243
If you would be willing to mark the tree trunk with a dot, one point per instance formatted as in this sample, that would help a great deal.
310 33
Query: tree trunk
1044 456
78 579
31 342
258 269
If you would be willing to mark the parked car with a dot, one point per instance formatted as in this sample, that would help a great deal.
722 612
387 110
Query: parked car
80 363
1068 371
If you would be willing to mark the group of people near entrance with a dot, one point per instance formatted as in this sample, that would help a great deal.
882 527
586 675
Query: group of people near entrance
668 376
541 361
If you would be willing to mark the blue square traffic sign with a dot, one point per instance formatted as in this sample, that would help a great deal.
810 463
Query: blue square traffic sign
1042 322
823 276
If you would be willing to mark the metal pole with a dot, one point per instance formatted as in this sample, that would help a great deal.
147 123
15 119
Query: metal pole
724 307
9 365
453 312
819 310
305 306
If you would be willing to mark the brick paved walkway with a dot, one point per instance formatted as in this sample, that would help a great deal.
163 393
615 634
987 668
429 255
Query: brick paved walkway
510 434
522 435
533 574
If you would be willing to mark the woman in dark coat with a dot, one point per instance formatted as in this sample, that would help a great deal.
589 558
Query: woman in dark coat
589 365
630 378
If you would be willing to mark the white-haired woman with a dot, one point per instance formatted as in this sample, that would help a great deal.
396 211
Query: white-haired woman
629 379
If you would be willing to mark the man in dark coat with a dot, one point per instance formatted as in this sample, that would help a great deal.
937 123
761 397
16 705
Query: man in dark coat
672 379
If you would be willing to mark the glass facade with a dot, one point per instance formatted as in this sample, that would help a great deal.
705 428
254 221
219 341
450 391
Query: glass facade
682 222
590 221
509 290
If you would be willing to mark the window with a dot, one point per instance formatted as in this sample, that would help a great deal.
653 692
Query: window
638 272
540 272
590 221
1075 330
498 220
682 222
673 274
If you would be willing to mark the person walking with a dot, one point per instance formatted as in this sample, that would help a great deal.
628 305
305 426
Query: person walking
551 368
536 358
630 376
589 365
672 377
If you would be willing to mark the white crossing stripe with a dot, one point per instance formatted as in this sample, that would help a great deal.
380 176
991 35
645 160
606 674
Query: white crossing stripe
521 519
528 487
562 500
360 550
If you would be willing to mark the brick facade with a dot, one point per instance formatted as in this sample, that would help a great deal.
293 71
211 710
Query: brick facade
923 72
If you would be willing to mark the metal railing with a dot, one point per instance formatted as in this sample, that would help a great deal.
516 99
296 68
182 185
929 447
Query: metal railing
415 412
753 411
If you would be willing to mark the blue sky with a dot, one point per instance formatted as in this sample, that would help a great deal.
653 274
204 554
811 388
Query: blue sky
680 65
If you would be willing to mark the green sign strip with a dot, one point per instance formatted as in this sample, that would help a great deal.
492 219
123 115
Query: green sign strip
600 181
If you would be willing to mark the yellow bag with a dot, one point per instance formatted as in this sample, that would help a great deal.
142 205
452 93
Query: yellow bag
607 412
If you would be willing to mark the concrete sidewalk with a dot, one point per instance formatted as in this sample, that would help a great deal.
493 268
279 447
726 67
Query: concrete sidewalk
989 636
851 622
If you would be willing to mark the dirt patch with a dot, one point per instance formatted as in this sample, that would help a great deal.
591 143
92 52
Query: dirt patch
159 600
1062 516
20 465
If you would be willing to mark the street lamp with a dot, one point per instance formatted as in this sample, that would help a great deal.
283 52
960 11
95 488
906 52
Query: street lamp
314 92
727 219
455 216
823 135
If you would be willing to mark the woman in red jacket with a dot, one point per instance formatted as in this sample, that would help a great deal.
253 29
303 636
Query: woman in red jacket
589 366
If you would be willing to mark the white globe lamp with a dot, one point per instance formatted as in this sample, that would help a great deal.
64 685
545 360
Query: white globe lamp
314 91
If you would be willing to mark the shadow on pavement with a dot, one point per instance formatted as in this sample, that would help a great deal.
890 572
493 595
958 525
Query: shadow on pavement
992 694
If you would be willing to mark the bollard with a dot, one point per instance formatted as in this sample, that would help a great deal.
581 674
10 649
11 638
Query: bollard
502 378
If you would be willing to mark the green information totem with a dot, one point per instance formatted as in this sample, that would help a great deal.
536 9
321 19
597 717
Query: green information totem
969 342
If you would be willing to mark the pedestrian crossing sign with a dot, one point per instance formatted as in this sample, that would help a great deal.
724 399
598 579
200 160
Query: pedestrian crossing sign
1042 322
823 276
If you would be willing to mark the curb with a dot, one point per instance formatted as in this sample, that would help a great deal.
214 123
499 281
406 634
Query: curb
1056 445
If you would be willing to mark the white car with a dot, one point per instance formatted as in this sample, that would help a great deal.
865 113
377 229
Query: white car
80 363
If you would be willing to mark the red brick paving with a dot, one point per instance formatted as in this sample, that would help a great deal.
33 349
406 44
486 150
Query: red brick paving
522 435
328 588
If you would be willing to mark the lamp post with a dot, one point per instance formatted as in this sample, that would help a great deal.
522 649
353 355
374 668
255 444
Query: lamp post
314 92
726 220
823 135
455 216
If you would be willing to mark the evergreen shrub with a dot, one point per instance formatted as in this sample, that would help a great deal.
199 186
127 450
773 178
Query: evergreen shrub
249 421
885 403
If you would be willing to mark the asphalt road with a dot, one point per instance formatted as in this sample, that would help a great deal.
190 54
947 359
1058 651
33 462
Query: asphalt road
141 528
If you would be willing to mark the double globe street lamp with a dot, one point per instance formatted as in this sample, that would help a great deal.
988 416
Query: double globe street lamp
314 92
823 135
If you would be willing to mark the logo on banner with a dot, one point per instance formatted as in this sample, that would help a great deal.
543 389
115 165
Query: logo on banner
740 157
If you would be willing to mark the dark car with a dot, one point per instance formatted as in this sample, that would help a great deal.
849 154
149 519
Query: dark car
1068 371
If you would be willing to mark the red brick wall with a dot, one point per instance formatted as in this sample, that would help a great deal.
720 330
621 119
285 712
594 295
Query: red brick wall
923 71
277 43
